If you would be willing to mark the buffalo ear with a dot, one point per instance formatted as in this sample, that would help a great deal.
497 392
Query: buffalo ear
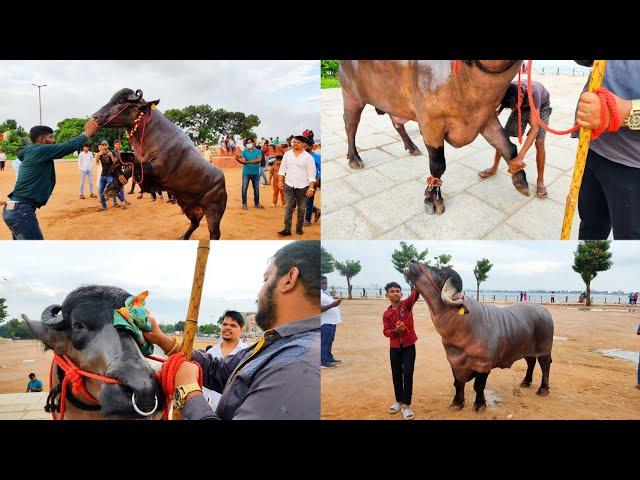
56 340
149 105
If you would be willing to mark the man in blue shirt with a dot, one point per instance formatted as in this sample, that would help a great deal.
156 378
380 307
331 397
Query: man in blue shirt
250 158
34 384
310 207
37 178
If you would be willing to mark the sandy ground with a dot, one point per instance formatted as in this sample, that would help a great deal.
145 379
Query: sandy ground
66 217
584 384
19 358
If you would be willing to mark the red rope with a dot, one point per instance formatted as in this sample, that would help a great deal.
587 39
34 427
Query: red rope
456 66
519 110
167 378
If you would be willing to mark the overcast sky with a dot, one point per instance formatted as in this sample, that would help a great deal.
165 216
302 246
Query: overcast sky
285 94
35 275
517 265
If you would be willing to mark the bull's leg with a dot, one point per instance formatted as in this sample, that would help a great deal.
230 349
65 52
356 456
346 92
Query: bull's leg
497 137
213 222
458 399
409 146
433 202
480 403
545 365
528 378
195 218
352 111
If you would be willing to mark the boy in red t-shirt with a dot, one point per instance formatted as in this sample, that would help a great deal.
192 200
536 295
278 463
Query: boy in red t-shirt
397 323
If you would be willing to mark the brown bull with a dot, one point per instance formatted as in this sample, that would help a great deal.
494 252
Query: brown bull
447 106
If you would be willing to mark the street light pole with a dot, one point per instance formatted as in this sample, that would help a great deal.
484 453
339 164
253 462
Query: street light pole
39 99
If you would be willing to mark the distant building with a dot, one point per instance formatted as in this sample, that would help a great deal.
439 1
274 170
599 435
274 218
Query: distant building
250 325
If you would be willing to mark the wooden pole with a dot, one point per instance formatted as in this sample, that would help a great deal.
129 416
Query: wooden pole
597 73
191 322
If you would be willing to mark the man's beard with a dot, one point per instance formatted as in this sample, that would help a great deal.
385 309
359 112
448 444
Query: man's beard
266 316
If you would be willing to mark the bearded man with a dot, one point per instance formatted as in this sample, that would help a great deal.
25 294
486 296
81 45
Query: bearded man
278 378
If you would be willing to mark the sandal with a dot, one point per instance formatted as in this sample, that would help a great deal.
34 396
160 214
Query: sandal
541 191
487 172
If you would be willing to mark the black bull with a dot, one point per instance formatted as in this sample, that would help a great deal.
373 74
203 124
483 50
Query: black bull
169 159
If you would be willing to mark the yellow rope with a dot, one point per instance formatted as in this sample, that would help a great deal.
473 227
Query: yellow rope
597 73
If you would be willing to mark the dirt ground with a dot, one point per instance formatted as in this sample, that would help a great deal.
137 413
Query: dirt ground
67 217
584 384
19 358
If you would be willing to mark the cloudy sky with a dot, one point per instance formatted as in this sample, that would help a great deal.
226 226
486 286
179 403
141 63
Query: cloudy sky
35 276
285 94
517 265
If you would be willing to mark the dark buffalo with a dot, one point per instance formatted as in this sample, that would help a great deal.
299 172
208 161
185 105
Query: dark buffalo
447 106
82 328
479 337
168 158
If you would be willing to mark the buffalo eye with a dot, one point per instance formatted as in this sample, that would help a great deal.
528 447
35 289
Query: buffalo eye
79 326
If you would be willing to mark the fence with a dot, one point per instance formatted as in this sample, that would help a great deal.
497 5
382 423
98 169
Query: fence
544 297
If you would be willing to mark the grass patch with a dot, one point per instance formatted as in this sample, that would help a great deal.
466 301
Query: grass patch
329 82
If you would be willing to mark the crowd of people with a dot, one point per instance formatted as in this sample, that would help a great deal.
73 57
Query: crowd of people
293 176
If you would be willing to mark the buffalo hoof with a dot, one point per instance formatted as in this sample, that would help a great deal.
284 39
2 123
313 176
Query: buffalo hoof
519 180
355 162
433 203
543 391
479 407
525 384
456 406
413 150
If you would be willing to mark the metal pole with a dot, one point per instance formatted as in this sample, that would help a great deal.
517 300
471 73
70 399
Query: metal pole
39 99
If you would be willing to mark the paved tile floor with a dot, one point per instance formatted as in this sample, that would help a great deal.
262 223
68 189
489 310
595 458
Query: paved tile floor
385 199
23 406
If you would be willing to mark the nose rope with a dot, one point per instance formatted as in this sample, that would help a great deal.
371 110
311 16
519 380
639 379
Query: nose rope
423 270
167 378
114 116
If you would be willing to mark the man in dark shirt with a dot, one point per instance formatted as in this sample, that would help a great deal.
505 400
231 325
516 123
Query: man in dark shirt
278 377
37 178
397 322
541 100
107 160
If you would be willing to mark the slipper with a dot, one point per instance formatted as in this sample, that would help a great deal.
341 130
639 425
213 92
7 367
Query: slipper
541 191
487 172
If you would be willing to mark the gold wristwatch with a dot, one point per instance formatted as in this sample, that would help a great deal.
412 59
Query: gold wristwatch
633 120
180 394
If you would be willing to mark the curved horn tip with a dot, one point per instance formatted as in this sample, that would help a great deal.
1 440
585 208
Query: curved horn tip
447 293
50 315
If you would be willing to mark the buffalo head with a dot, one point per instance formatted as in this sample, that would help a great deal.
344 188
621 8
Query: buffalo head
446 279
123 108
82 328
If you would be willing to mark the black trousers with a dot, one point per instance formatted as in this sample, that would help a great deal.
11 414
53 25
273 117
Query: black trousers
609 198
402 361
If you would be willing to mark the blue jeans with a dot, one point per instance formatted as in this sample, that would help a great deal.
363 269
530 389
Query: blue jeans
104 181
262 175
22 222
255 181
86 174
310 207
327 335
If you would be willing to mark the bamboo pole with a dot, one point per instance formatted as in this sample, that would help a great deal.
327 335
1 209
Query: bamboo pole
597 73
191 322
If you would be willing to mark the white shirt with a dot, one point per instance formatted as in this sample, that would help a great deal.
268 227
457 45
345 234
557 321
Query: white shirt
331 316
16 165
216 352
85 161
298 171
3 157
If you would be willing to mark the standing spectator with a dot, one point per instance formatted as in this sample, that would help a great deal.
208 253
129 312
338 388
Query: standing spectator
310 208
521 296
638 385
16 164
553 297
85 165
232 146
263 164
276 141
275 184
3 159
635 298
525 296
118 160
364 293
297 176
329 319
397 323
250 158
630 298
106 160
380 293
37 179
34 384
230 344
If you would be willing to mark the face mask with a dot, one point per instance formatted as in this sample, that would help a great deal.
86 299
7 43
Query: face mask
249 145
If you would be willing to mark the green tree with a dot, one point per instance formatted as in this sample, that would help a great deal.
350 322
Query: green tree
12 142
591 257
348 269
18 329
3 309
481 272
407 252
179 326
9 124
442 261
329 68
206 125
326 262
234 123
167 328
72 127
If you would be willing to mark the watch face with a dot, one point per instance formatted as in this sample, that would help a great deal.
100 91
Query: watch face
634 121
176 398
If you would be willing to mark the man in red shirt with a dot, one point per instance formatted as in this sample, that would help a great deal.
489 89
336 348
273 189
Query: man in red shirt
397 323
